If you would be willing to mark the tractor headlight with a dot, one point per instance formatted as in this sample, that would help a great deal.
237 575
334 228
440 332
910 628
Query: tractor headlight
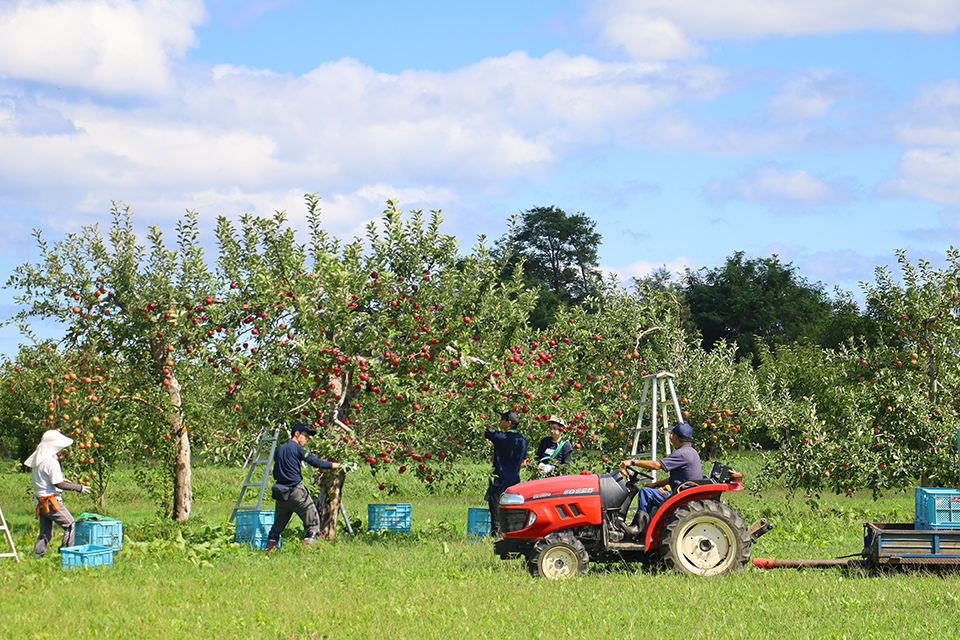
531 519
511 499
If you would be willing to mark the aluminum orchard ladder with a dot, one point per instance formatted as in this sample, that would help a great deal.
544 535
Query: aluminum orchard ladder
13 548
254 459
654 394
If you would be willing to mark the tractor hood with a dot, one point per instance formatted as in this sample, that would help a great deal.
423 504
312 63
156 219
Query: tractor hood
575 485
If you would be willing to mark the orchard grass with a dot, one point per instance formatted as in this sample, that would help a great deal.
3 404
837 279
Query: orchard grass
436 583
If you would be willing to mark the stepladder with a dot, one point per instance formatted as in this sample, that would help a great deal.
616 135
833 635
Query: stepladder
657 400
259 465
12 553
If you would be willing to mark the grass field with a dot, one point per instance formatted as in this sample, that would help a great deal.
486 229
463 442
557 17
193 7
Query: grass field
435 583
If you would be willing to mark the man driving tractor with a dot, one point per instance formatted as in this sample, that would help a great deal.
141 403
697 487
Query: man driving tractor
683 465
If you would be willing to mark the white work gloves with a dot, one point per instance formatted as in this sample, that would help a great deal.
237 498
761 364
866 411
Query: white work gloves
349 466
545 468
84 489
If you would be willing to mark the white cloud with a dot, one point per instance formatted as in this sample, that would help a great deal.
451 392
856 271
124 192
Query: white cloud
843 266
948 232
769 185
643 268
675 29
932 118
648 37
813 94
336 130
105 46
932 174
931 124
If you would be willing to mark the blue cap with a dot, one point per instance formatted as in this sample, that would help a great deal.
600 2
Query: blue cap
683 431
303 427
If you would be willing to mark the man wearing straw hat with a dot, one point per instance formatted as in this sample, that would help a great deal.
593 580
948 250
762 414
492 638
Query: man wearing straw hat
48 486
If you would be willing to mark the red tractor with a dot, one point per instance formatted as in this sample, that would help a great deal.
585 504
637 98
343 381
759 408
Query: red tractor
561 524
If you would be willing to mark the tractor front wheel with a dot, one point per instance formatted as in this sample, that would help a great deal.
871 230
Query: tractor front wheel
705 538
557 557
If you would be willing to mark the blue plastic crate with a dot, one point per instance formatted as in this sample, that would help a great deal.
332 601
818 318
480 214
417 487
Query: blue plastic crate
103 533
937 508
260 541
251 524
478 522
390 517
86 555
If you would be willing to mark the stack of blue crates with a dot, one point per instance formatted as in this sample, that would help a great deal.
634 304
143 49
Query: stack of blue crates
253 527
389 517
103 533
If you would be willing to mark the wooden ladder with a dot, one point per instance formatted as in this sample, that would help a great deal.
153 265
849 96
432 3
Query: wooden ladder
13 548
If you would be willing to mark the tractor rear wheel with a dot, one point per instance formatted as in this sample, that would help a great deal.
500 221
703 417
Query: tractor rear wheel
705 538
557 557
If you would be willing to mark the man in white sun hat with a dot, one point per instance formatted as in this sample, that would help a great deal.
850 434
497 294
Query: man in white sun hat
48 486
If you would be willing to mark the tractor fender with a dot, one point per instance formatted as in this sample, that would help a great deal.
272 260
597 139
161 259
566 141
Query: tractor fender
700 492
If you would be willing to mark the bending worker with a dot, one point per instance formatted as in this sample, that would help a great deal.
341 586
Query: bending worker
683 465
289 492
48 486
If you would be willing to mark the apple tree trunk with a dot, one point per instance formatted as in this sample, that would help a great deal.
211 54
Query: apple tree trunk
331 483
182 469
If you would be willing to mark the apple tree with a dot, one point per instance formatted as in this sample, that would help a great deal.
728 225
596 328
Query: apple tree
378 345
883 416
126 304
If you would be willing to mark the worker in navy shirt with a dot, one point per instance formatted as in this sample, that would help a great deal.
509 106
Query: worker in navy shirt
290 494
509 454
683 465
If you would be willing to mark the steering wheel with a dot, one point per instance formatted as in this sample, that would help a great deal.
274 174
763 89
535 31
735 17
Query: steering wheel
635 473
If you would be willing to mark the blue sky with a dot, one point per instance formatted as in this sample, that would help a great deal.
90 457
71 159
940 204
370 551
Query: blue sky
827 132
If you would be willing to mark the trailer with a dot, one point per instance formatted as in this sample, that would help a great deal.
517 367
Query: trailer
931 540
891 545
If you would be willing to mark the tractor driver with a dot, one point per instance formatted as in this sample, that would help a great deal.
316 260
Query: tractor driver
683 465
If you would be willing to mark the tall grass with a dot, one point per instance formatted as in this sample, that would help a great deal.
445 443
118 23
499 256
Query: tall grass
435 583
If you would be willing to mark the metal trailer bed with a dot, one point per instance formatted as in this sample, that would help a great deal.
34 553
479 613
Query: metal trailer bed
887 544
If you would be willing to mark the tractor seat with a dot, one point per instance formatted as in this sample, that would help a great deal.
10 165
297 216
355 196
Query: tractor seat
694 483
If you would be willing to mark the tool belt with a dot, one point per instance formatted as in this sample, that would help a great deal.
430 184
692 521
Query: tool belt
281 492
47 505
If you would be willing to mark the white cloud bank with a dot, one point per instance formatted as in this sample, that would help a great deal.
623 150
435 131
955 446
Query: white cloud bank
771 186
103 46
931 125
341 129
678 29
250 140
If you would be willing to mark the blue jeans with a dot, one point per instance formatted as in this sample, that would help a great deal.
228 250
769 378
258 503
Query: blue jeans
650 499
